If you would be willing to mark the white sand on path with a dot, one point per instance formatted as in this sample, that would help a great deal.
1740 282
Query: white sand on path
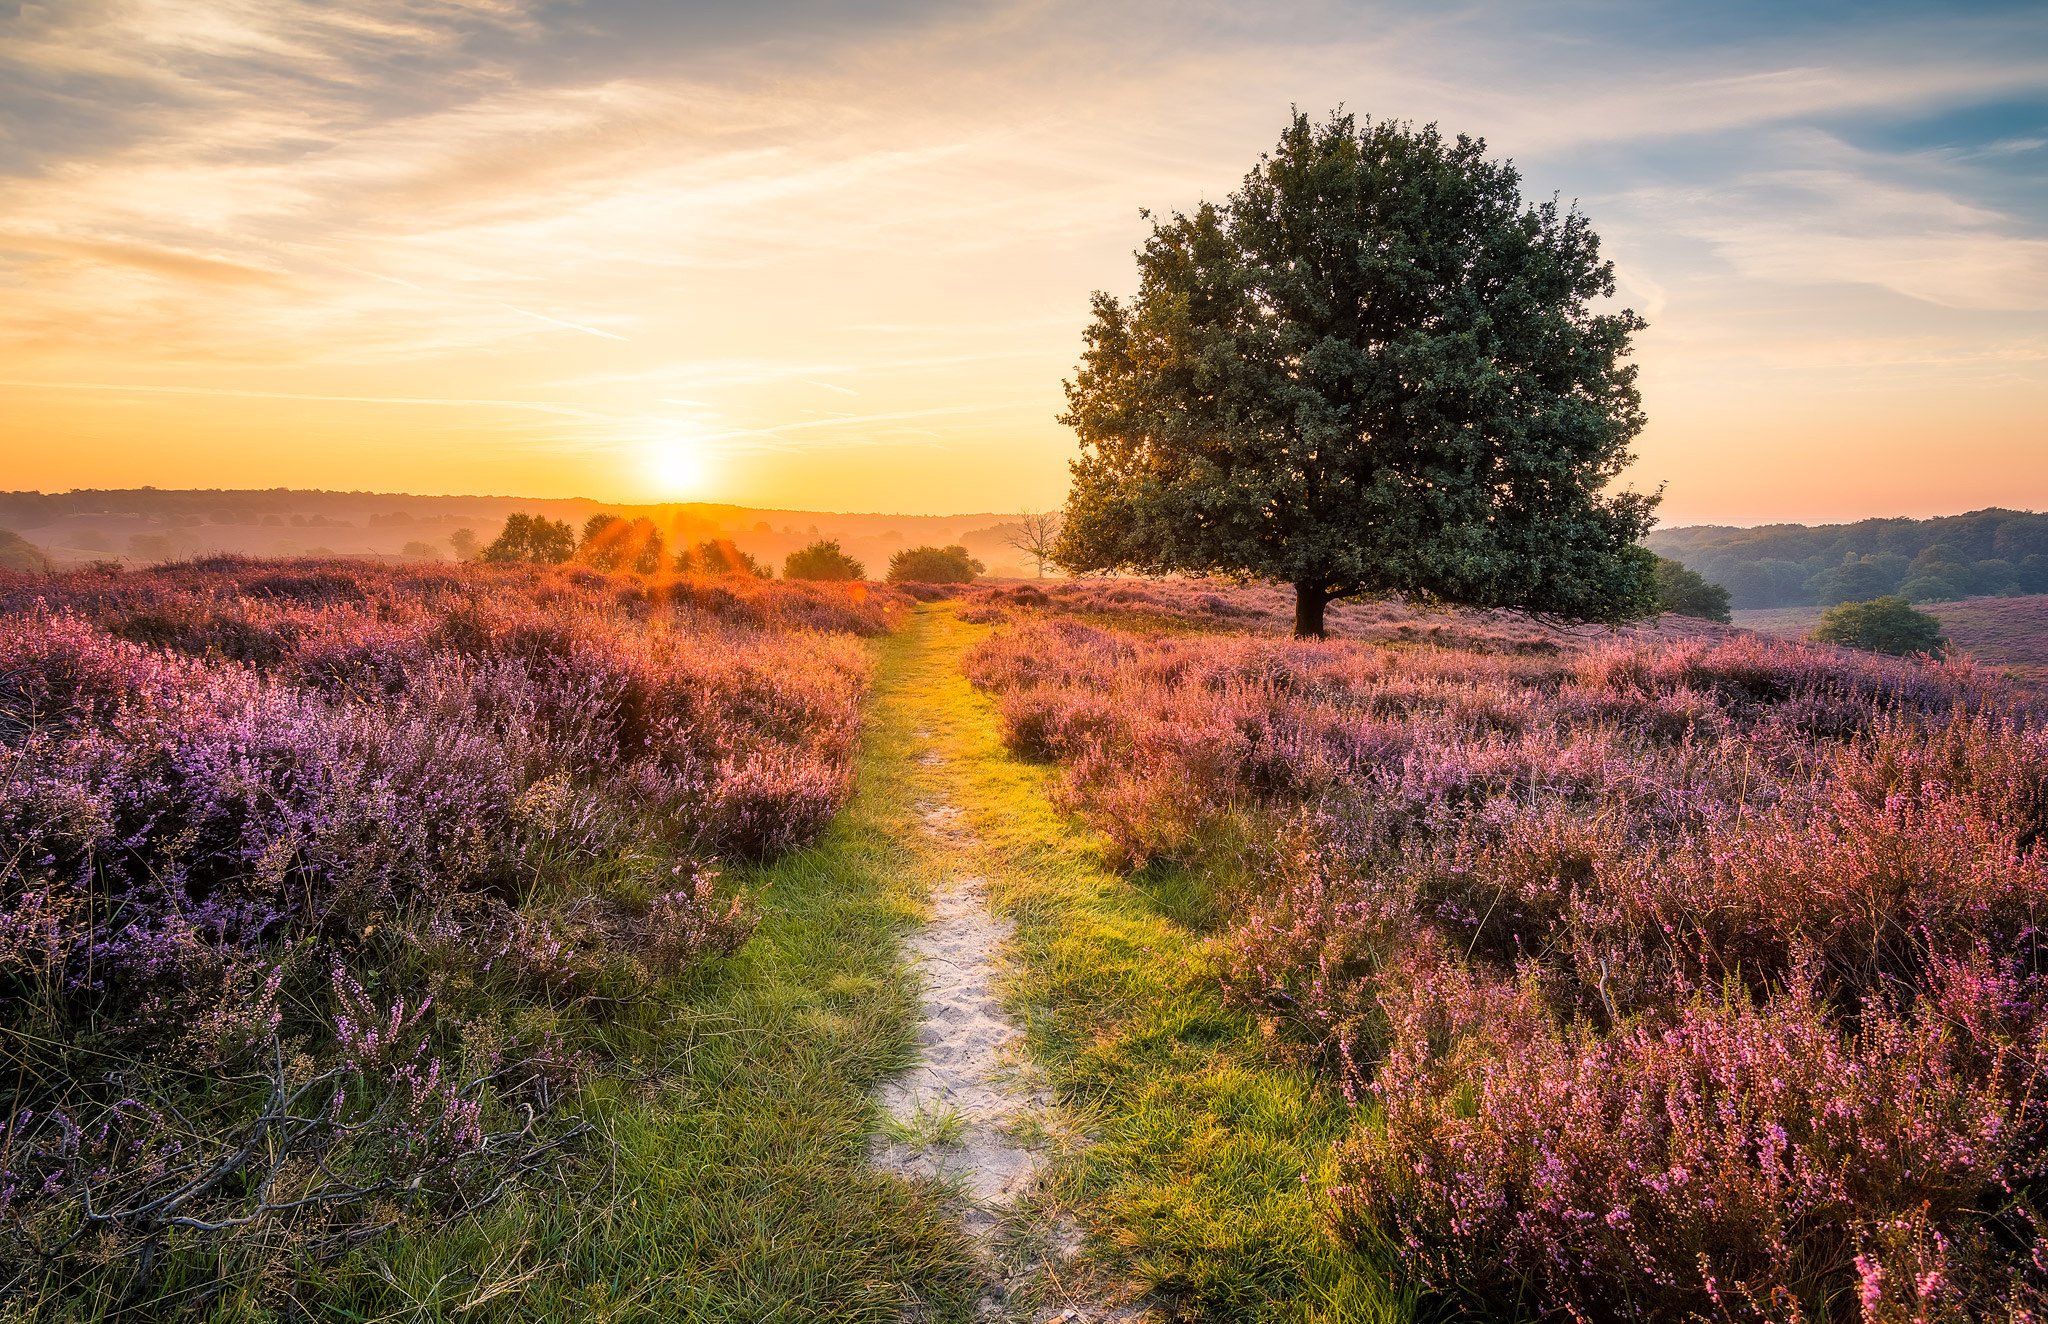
967 1113
967 1068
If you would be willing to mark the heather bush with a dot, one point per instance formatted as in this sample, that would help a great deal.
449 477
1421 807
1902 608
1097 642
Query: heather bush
1675 975
310 864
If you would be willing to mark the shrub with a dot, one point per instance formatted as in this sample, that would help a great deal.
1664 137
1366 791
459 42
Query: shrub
719 556
533 538
1685 592
1882 625
933 565
18 553
822 560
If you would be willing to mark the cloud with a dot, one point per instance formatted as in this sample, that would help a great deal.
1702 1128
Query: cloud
157 261
635 203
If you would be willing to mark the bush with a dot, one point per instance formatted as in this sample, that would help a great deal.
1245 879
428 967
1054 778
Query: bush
822 560
934 565
719 556
1684 592
18 553
1882 625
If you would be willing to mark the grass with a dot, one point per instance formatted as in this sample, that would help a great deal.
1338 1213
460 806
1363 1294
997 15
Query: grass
1192 1183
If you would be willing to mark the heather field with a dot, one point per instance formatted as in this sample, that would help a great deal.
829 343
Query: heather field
472 942
2008 634
332 891
1664 977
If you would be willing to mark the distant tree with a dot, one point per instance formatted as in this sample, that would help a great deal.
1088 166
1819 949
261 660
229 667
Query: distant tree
1882 625
1950 556
1934 586
18 553
596 525
464 543
533 538
424 551
1857 579
1372 369
2033 573
1037 535
612 543
1684 592
934 565
719 556
822 560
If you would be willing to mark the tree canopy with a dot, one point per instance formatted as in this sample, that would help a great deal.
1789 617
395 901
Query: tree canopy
1371 370
822 560
1883 625
934 565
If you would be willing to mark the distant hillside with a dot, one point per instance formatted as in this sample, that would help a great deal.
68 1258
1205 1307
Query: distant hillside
1986 552
2010 633
150 524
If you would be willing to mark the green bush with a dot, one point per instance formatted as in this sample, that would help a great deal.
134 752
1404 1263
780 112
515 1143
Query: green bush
822 560
934 565
1882 625
18 553
1685 592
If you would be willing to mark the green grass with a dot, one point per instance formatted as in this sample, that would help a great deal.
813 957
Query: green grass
1191 1187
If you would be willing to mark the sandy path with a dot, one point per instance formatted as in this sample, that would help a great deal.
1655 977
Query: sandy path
968 1114
961 1108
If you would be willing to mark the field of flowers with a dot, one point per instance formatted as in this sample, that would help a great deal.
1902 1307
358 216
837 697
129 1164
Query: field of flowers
318 874
1672 974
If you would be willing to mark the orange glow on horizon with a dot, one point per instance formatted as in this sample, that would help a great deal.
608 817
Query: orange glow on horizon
782 278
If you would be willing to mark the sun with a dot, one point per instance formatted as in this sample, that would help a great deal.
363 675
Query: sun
678 467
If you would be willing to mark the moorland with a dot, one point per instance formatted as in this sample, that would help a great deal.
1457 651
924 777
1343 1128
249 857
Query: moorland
515 941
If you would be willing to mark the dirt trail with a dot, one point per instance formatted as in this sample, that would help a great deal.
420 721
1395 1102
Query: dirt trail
970 1114
961 1110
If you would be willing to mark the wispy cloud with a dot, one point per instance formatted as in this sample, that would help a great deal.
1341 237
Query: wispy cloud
701 216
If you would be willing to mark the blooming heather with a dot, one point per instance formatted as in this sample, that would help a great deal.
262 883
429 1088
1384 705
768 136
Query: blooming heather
366 834
1673 975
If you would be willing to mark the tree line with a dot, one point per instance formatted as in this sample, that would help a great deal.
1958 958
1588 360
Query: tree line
1992 552
614 543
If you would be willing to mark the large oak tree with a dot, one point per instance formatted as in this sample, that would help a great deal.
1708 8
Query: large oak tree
1371 370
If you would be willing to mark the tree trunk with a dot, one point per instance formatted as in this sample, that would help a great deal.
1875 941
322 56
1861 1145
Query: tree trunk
1309 601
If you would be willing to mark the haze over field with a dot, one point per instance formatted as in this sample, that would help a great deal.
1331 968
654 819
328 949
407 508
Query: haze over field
811 256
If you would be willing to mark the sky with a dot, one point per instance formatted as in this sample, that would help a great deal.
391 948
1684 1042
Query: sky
838 255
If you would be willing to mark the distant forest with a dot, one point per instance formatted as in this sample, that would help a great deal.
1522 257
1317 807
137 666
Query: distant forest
140 526
1984 553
